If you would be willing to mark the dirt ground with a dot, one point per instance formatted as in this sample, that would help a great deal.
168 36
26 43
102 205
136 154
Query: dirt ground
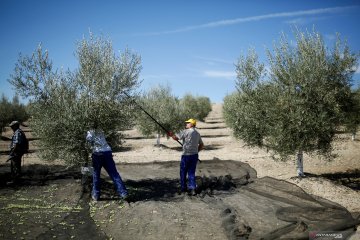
243 193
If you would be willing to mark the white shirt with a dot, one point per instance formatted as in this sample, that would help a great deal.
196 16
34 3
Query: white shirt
97 140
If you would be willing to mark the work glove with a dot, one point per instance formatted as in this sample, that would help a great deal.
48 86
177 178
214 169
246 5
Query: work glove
172 135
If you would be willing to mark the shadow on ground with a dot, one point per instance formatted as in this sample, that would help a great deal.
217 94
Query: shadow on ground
350 178
53 202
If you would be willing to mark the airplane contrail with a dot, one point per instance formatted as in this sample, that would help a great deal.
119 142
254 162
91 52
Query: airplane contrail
228 22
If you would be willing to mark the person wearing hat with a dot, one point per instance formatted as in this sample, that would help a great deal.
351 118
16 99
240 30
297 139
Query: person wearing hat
192 144
16 150
102 157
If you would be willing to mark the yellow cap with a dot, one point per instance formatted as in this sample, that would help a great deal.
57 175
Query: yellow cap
192 121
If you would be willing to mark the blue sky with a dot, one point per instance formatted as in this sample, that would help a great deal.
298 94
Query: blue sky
190 45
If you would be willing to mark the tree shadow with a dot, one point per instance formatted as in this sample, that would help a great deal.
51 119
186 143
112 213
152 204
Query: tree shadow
139 137
169 189
350 178
7 152
4 138
177 148
214 127
213 147
213 121
214 136
121 149
8 139
159 189
39 175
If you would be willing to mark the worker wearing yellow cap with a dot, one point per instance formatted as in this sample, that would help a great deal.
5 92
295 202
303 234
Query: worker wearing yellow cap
192 144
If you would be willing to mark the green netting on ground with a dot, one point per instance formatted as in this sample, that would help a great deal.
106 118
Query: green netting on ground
232 203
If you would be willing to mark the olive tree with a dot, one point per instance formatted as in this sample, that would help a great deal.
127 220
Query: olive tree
10 111
297 104
65 104
352 118
196 107
164 108
205 107
229 105
5 108
245 110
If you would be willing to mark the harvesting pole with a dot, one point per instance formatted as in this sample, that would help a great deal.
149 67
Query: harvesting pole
167 131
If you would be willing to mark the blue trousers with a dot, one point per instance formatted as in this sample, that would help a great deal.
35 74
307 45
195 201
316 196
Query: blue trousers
188 168
105 159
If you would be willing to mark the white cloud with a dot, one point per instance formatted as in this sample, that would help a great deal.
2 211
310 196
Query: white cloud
297 21
220 74
228 22
330 37
211 61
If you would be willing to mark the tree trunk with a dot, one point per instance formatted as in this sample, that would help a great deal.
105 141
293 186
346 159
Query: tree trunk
158 140
299 164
